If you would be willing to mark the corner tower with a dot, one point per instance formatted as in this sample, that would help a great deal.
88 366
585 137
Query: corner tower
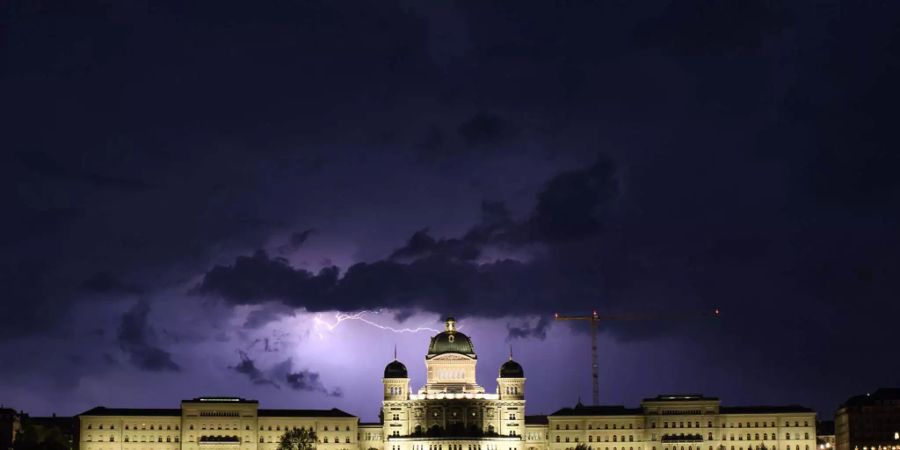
396 380
511 380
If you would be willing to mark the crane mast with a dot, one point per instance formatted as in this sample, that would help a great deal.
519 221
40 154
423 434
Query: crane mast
594 318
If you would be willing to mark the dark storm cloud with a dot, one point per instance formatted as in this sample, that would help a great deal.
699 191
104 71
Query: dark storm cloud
421 244
96 176
573 204
268 313
429 273
527 330
754 145
401 315
302 380
305 380
248 368
136 338
296 240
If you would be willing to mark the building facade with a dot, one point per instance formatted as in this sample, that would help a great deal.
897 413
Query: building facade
211 423
825 434
451 411
869 422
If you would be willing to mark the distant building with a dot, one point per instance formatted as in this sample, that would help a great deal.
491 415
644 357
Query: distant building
869 422
825 434
451 411
10 427
59 429
683 422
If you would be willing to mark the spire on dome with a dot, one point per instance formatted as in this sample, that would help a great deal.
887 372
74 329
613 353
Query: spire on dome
510 352
451 324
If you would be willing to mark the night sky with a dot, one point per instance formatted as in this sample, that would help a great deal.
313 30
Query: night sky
194 190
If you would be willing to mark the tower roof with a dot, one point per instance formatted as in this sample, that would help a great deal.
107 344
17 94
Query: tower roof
511 369
395 369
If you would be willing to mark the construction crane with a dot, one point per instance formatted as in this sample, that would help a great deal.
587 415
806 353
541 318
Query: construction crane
594 318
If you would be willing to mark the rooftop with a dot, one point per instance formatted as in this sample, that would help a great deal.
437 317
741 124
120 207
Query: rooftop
763 409
880 395
104 411
679 398
219 400
333 412
536 420
598 410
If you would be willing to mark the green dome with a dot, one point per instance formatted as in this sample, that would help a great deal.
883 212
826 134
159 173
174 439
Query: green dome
395 369
511 369
451 341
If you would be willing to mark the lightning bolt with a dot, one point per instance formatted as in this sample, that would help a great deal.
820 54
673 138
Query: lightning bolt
321 324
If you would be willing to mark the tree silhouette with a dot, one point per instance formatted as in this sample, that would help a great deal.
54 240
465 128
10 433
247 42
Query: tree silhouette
297 439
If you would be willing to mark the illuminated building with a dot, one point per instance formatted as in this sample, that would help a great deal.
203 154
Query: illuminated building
451 411
825 435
